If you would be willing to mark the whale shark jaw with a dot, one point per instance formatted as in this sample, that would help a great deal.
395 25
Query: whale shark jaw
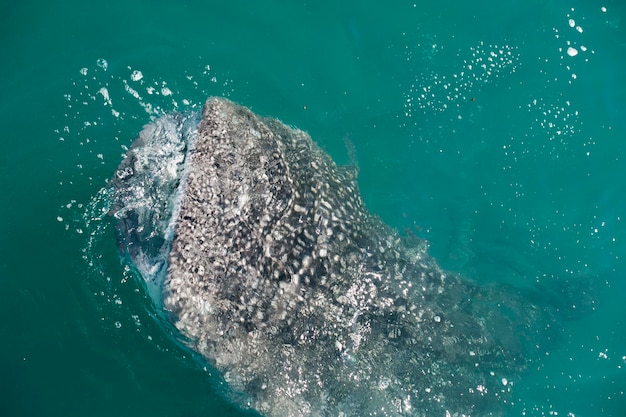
262 254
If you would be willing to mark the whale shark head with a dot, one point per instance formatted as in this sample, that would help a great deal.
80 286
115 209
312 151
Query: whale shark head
272 269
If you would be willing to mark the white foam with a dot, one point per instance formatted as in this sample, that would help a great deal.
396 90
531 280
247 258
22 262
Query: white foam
136 75
105 94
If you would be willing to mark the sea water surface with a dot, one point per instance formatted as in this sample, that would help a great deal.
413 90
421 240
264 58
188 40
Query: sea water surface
493 129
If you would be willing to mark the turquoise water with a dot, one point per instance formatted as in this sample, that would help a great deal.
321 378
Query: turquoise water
473 125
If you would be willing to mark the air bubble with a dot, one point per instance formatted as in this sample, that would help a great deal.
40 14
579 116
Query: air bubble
102 63
136 75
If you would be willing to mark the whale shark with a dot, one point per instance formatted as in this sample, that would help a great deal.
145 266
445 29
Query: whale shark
260 252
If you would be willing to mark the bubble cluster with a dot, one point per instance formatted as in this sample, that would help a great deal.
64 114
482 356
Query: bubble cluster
572 48
555 118
434 92
552 106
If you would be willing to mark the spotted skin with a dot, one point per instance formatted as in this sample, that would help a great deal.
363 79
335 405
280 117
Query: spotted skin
307 304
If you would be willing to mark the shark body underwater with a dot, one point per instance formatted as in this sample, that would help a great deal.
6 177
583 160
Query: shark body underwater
258 249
